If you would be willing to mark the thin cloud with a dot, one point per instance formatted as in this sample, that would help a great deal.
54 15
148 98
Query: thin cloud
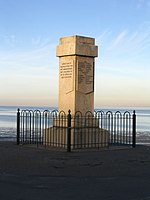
118 40
103 37
38 57
8 40
128 42
125 54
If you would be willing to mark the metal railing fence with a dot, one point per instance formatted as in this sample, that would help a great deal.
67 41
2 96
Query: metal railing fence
61 130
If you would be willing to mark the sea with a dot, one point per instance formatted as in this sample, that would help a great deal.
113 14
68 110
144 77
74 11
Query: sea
8 121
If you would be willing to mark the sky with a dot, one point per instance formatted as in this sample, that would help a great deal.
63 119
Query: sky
30 31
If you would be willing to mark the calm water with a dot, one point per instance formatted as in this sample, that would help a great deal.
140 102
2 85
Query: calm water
8 121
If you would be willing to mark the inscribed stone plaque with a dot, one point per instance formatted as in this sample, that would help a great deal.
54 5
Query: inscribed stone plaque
85 77
66 75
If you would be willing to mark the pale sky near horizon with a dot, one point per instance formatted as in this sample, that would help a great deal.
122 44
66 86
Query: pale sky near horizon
30 31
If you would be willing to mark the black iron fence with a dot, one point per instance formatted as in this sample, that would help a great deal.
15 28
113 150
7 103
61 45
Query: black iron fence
61 130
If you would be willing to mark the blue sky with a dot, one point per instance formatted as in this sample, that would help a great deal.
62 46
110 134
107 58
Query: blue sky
30 31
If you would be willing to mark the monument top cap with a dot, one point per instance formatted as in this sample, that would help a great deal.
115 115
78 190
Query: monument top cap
77 45
77 39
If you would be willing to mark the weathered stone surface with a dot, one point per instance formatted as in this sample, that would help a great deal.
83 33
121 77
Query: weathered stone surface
77 45
80 138
76 73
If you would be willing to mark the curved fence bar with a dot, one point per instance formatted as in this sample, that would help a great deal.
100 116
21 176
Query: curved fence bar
109 120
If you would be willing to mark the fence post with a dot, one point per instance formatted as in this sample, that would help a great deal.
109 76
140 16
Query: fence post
69 132
134 130
18 126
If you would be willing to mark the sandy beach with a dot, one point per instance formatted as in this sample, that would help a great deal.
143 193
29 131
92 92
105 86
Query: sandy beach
28 173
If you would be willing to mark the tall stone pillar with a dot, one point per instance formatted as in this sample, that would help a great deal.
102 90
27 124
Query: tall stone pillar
76 73
76 92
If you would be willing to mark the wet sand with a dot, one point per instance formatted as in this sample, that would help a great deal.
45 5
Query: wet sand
28 173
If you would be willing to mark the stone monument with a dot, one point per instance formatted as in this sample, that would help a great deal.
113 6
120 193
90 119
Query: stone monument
76 73
76 93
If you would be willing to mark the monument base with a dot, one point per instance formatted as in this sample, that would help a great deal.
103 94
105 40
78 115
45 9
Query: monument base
80 137
76 122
